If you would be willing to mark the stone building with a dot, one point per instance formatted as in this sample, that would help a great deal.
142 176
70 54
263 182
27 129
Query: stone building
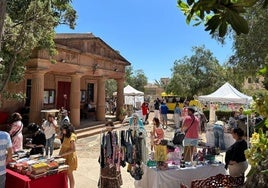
83 63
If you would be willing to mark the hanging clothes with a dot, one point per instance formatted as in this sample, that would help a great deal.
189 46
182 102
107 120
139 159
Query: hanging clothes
110 160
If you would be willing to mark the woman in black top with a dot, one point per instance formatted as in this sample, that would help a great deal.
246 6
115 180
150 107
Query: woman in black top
235 159
38 139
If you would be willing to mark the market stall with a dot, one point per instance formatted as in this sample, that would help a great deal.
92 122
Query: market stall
30 171
14 179
167 168
173 177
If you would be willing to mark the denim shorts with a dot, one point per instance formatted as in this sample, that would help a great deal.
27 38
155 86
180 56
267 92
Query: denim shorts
190 142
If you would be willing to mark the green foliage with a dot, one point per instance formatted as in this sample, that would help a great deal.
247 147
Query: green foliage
257 154
29 25
218 15
223 115
136 79
110 87
190 74
251 55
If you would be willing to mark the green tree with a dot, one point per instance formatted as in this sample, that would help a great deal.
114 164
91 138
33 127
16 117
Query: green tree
251 50
129 75
110 87
136 79
29 25
218 15
196 75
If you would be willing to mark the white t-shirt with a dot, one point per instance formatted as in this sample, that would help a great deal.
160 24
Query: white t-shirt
49 129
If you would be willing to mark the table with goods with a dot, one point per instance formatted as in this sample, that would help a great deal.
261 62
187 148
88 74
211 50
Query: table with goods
36 171
167 169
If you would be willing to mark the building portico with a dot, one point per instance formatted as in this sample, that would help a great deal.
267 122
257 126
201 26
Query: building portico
77 77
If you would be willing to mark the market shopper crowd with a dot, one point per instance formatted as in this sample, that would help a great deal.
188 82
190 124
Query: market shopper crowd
133 139
41 142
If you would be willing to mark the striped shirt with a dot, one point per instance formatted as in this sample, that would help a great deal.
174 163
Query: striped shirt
5 143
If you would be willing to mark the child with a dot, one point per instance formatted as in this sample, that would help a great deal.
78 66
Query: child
157 134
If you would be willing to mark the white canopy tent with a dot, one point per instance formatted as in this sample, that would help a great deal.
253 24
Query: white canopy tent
226 94
132 96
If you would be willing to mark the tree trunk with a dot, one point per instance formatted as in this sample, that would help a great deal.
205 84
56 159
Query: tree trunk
3 4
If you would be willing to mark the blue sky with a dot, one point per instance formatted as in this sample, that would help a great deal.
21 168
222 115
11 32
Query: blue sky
151 35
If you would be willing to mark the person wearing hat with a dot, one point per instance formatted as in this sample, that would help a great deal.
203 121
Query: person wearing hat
218 130
190 127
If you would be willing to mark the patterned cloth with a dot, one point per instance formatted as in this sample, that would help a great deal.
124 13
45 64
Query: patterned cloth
5 142
110 177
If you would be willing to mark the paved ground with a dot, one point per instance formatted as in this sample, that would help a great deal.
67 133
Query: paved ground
88 149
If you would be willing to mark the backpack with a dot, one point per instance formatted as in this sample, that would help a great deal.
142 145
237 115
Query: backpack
178 137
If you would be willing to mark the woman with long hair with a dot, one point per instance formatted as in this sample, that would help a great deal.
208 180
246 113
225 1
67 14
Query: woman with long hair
15 132
157 134
68 151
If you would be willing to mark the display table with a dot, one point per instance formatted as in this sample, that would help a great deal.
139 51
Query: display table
153 178
16 180
228 139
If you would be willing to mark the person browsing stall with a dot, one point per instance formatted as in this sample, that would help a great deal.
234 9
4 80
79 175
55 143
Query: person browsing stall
157 134
5 155
38 139
218 130
15 132
235 159
190 126
68 151
49 126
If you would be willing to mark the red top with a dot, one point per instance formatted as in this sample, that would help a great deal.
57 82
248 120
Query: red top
193 130
144 108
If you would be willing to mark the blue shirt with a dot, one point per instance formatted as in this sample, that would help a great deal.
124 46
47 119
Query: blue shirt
5 143
163 109
177 110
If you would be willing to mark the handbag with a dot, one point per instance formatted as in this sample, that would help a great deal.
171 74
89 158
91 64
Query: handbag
179 136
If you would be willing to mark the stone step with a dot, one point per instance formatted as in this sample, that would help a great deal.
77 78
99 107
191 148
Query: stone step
93 130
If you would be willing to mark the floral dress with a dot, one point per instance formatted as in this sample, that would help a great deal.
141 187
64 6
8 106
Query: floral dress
71 159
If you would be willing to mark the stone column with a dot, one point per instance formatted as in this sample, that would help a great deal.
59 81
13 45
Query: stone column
37 97
100 110
75 96
120 96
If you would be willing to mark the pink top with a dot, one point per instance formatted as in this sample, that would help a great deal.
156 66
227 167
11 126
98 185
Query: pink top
193 130
16 135
159 133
